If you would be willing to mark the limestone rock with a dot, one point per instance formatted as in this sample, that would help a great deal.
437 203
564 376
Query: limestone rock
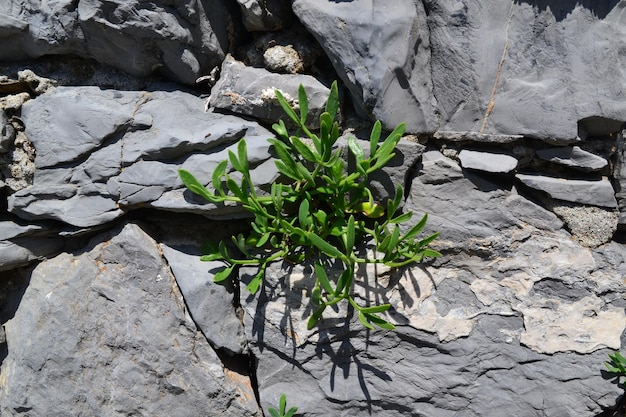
596 193
573 157
263 15
182 41
496 163
250 91
382 54
93 169
106 331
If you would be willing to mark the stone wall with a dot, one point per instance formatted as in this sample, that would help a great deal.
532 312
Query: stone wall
515 148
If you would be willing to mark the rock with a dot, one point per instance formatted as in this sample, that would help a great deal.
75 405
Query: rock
183 41
250 91
283 59
497 163
383 61
92 170
210 304
573 157
591 226
265 15
596 193
105 331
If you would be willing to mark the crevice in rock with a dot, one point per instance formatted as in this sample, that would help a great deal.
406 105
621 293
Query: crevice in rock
13 284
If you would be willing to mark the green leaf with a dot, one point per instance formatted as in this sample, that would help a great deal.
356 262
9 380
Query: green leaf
376 309
292 411
287 171
350 235
196 187
429 239
383 324
211 257
243 156
286 107
303 213
218 173
303 102
402 218
280 129
345 280
332 104
304 173
234 161
315 317
414 231
322 278
321 217
304 149
254 285
356 149
232 186
324 246
223 274
364 321
273 412
282 404
375 137
430 253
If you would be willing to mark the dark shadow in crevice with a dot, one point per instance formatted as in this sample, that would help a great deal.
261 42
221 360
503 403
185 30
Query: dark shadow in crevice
561 8
13 285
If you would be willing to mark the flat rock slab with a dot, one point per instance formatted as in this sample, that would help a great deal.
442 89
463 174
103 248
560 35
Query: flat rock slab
496 163
574 157
595 193
101 153
250 91
93 328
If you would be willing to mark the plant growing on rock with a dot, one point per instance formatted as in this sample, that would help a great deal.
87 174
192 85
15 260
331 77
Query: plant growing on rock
282 409
617 366
320 211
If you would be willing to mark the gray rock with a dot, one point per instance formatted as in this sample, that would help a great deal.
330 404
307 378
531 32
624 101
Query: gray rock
265 15
106 332
497 163
250 91
210 304
591 226
93 169
595 193
20 251
183 41
573 157
382 54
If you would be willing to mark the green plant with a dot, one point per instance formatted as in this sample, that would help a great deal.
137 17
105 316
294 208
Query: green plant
320 210
617 366
281 409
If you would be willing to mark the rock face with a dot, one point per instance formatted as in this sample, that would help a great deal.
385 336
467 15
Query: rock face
515 149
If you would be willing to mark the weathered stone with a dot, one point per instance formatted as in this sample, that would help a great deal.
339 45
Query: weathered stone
283 59
183 41
250 91
573 157
591 226
595 193
93 169
384 61
265 15
497 163
210 304
106 332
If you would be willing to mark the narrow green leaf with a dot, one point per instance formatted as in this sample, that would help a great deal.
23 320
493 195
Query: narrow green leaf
254 285
350 235
234 161
375 137
430 253
218 173
281 129
344 281
243 156
393 205
223 274
292 411
234 188
273 412
376 309
355 148
402 218
304 150
383 324
364 321
283 399
287 171
303 102
315 317
332 104
303 213
287 107
304 173
395 238
321 217
429 239
211 257
196 187
322 278
414 231
324 246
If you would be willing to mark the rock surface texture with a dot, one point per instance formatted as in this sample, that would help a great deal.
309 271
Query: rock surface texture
515 117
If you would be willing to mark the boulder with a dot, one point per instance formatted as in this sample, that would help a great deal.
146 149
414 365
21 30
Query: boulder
105 331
